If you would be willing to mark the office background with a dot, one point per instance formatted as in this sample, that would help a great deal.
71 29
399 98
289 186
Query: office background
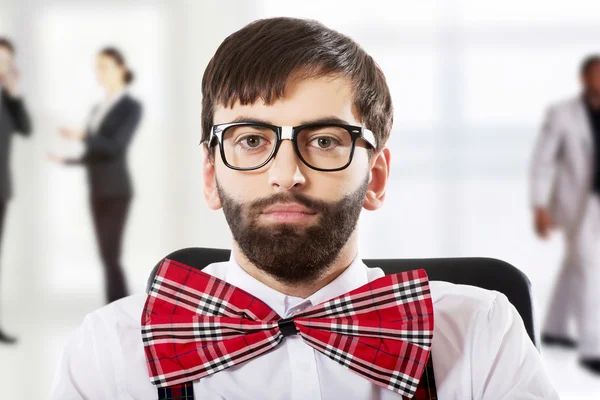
469 79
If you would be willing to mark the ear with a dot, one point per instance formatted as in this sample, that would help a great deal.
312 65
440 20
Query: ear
379 174
209 180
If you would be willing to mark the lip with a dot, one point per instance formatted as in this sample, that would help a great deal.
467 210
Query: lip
294 208
288 213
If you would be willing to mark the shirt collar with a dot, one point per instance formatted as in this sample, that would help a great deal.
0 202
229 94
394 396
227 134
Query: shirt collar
285 306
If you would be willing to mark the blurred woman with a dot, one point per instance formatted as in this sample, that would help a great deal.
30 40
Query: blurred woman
110 129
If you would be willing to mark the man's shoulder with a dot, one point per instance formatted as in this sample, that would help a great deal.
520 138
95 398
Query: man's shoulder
463 300
127 310
565 105
462 312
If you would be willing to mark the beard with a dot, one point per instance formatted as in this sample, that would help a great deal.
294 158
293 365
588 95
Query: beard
289 253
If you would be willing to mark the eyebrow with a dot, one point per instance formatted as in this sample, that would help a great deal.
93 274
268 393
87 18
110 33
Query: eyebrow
323 120
326 120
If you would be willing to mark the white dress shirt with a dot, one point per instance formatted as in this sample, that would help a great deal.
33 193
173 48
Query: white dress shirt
480 351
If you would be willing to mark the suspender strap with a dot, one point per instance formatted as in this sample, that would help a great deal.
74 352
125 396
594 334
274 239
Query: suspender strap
426 389
184 391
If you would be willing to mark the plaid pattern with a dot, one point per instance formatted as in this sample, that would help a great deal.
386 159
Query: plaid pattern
195 325
178 392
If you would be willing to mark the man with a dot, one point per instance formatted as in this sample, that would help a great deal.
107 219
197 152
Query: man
13 119
295 121
565 191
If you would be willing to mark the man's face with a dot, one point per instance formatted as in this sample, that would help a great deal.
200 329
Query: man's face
591 79
289 220
6 60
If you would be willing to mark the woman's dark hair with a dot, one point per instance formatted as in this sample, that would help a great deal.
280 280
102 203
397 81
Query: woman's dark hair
258 61
118 57
7 44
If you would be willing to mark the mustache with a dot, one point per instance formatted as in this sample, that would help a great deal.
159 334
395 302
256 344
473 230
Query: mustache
318 206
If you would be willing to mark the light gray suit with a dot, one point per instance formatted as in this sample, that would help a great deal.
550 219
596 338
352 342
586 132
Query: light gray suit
561 180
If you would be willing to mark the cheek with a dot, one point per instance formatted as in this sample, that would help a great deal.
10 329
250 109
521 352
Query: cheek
242 186
332 186
114 74
358 170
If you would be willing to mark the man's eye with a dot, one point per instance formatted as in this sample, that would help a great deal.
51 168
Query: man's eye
324 142
252 141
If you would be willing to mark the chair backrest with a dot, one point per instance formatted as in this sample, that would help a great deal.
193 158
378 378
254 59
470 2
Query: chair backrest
486 273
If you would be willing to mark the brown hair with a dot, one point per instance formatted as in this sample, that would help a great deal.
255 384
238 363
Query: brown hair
6 43
588 63
118 57
259 59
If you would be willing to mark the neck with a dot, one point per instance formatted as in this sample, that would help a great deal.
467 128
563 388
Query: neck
343 261
112 90
593 99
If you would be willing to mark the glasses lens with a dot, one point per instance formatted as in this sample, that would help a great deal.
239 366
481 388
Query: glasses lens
325 147
248 146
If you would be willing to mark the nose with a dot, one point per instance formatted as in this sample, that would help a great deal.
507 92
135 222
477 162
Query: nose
285 173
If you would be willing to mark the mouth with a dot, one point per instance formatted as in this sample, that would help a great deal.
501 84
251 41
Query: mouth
290 212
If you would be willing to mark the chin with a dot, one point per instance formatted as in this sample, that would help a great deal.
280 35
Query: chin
282 227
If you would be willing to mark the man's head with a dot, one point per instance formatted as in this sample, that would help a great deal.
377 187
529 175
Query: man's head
294 205
590 74
7 53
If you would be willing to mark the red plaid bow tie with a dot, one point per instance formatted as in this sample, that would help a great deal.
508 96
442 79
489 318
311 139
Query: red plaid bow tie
195 325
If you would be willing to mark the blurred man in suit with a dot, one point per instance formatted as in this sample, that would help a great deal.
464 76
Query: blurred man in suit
13 119
565 189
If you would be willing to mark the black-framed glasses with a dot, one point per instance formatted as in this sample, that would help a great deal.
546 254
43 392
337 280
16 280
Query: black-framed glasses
247 146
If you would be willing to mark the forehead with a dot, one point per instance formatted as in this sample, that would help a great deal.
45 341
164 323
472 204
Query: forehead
303 100
5 53
106 60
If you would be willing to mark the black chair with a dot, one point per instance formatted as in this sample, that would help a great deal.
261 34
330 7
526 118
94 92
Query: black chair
487 273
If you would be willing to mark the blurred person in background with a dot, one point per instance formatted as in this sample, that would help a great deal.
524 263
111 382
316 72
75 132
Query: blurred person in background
565 191
13 119
295 121
110 129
